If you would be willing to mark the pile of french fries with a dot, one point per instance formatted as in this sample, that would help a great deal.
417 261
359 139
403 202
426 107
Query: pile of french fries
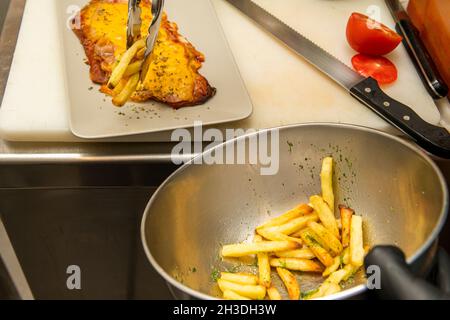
126 73
307 238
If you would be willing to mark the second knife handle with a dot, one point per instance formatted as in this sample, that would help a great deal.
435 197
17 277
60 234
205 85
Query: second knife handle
433 139
423 62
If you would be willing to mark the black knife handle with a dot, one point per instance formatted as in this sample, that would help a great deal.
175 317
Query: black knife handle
423 62
433 139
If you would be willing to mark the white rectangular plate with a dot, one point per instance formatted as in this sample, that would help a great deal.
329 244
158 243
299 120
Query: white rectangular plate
92 114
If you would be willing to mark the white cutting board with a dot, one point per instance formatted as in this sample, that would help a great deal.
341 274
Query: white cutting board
284 88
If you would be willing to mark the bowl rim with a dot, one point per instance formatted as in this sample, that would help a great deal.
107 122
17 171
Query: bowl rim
348 293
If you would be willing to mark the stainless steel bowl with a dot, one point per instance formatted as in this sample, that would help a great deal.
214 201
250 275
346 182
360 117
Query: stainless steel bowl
398 190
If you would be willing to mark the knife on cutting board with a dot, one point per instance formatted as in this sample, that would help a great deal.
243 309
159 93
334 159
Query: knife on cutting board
418 52
433 139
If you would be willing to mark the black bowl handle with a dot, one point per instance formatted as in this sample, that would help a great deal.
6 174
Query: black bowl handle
397 281
433 139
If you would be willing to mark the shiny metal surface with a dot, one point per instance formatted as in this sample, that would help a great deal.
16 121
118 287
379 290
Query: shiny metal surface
153 31
396 9
100 174
321 59
134 22
13 283
96 229
398 190
57 153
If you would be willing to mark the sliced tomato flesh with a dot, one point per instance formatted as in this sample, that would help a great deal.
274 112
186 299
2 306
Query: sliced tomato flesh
379 68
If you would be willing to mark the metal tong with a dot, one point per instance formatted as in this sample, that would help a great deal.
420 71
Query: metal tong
135 23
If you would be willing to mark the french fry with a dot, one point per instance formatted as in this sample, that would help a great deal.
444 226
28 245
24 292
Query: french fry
292 241
351 270
127 91
323 255
332 289
120 69
319 240
255 292
245 249
274 294
356 242
231 295
133 68
332 284
346 218
240 278
114 65
263 266
339 224
290 282
304 253
119 88
345 256
327 237
326 289
318 294
341 275
310 239
277 236
297 234
246 260
326 216
326 177
338 276
336 264
299 211
296 264
295 224
141 53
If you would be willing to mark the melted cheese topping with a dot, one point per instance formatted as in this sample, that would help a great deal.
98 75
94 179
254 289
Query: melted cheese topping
108 21
171 74
173 68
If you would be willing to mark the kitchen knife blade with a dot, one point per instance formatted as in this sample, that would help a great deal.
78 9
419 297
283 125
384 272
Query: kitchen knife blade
434 139
418 52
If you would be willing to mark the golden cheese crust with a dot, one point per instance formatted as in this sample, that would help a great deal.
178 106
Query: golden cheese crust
173 77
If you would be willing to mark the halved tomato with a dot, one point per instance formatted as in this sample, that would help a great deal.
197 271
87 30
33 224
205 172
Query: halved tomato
379 68
368 36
